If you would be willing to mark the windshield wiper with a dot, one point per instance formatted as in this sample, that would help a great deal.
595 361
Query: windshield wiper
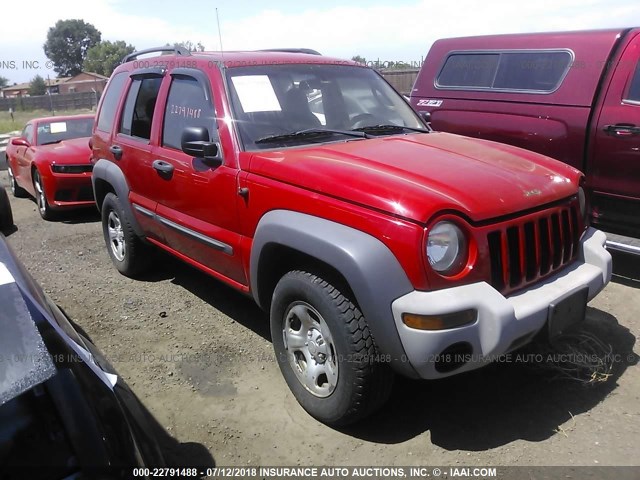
51 142
384 129
310 133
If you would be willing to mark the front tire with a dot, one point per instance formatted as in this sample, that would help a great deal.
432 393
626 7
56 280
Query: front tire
325 350
127 251
44 209
16 190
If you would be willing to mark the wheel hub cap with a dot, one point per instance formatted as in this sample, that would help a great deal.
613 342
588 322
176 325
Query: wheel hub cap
116 236
310 349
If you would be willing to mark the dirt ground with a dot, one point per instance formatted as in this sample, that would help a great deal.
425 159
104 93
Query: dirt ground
199 356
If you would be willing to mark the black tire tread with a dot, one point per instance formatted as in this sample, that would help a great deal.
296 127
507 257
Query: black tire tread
374 380
138 258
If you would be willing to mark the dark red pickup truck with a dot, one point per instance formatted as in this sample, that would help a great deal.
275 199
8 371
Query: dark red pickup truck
574 96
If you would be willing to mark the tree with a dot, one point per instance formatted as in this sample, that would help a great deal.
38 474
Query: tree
189 45
3 82
37 86
105 56
359 59
67 45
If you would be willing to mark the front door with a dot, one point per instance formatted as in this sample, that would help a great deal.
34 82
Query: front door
614 169
197 203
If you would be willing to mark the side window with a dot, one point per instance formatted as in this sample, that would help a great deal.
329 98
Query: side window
27 133
469 70
633 94
110 102
139 107
187 106
538 72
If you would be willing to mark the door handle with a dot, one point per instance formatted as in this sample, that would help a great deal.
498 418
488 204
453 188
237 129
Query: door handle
117 151
622 130
162 167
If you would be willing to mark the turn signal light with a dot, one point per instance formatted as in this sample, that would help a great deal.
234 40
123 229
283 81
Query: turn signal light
439 322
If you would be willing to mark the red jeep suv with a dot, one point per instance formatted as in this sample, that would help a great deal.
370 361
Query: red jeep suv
377 246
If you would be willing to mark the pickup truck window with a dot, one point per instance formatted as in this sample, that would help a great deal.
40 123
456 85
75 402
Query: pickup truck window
332 100
519 71
139 107
187 106
633 95
110 102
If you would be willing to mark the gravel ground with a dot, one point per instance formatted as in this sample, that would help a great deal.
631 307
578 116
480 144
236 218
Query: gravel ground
199 356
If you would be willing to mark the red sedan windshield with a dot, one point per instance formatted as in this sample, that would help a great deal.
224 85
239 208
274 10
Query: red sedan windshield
58 130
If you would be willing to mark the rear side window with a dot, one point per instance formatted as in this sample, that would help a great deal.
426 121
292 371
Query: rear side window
518 71
110 102
139 107
187 106
633 94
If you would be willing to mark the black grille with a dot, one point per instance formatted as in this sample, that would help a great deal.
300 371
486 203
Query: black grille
525 251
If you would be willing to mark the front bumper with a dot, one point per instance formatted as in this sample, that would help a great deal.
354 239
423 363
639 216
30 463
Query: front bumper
503 323
69 190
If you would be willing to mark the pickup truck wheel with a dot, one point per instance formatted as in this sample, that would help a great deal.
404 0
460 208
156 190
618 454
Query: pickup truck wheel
129 255
325 350
16 190
41 198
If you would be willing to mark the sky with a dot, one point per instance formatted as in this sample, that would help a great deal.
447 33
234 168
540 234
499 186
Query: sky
385 30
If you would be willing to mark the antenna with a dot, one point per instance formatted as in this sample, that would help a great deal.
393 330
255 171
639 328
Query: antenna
219 34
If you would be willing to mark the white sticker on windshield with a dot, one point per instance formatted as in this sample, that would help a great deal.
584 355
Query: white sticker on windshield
58 127
256 93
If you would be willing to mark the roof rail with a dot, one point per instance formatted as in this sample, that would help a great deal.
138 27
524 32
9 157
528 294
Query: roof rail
308 51
176 50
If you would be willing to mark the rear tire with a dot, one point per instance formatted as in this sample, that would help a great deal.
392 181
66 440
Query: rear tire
16 190
325 350
127 251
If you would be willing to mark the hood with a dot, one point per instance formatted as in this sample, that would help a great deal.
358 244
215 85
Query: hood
416 176
74 151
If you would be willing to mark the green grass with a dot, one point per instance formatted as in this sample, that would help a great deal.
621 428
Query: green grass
20 118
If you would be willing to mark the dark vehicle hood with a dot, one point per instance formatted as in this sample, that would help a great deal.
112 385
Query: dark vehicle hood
415 176
25 360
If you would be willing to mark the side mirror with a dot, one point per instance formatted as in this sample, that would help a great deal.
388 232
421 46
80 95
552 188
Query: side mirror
195 142
20 142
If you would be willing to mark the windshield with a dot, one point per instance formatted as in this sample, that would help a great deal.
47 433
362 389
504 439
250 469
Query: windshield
299 104
58 130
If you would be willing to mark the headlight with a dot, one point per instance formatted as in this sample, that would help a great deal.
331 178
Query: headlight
446 248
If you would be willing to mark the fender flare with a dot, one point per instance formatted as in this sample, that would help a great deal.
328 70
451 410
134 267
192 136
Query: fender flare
112 174
372 271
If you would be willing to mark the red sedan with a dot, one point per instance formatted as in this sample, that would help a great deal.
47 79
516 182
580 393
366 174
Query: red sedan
50 161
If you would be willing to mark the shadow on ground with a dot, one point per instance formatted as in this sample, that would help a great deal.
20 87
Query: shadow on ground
476 411
240 308
500 403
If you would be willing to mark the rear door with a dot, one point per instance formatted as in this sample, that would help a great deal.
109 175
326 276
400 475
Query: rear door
133 141
614 169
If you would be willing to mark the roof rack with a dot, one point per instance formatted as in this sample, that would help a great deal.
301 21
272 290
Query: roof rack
308 51
176 50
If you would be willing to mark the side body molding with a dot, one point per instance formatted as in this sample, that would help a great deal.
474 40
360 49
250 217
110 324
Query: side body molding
372 271
111 173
